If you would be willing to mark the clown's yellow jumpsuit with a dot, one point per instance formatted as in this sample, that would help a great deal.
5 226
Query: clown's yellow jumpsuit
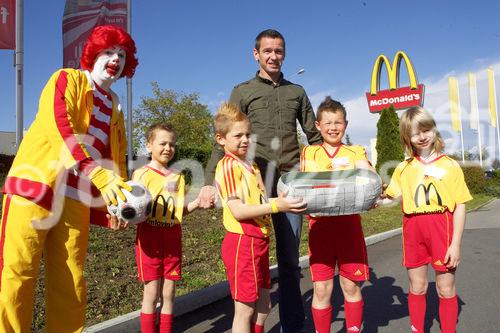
37 219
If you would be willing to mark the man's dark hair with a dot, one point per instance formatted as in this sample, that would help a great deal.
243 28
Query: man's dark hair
270 33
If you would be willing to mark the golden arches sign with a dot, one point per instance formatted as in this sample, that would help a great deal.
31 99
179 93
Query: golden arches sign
399 97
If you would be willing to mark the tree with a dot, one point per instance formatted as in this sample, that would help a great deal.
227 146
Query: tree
191 120
388 145
495 164
348 140
470 155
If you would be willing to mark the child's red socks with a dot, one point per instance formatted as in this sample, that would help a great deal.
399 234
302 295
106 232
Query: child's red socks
256 328
416 307
148 322
353 315
322 319
448 314
166 322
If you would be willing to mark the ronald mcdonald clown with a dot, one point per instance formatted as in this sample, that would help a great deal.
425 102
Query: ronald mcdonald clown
75 147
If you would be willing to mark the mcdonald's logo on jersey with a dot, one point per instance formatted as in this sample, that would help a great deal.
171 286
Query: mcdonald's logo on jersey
427 195
165 206
399 97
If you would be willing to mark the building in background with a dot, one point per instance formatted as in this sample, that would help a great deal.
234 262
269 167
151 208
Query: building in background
8 143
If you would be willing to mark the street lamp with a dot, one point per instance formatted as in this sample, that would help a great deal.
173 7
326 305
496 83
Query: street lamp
299 72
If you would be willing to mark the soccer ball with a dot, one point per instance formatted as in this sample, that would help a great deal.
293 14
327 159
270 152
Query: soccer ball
137 207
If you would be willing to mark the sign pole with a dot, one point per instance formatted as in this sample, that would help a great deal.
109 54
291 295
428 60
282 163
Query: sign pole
130 153
19 63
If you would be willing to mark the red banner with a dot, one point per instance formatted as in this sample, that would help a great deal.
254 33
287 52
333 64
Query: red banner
401 98
8 24
81 16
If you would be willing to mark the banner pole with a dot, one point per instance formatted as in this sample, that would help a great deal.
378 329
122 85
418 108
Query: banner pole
480 144
461 128
130 154
492 105
474 113
19 71
496 111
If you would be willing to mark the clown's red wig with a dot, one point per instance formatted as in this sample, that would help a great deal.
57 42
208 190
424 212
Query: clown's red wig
106 36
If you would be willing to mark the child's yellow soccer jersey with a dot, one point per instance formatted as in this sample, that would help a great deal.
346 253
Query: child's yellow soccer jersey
167 190
238 180
315 158
429 187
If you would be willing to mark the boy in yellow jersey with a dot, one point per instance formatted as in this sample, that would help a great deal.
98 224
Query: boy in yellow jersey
335 240
158 243
434 193
247 219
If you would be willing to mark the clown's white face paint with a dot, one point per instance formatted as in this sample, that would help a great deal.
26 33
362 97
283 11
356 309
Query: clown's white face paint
108 66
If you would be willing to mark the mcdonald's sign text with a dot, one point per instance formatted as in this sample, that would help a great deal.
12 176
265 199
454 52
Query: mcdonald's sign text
399 97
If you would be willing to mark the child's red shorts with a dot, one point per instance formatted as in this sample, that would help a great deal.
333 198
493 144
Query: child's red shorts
246 259
426 238
158 252
337 240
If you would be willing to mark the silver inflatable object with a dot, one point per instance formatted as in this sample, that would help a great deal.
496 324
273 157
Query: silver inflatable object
332 193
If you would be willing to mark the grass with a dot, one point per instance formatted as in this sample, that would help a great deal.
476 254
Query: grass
110 270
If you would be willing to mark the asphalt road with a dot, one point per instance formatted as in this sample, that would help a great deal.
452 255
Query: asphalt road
385 295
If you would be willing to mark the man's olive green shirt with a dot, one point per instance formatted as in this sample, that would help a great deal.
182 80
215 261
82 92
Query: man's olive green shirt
273 110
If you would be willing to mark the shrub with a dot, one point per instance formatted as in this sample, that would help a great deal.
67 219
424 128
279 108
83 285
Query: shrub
493 184
474 177
495 164
5 162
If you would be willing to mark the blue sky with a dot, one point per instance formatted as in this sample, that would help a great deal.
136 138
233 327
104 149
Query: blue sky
206 47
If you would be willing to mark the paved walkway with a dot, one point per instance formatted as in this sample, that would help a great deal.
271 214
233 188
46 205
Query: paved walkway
385 294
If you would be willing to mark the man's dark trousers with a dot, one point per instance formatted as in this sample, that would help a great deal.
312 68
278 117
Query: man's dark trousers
287 228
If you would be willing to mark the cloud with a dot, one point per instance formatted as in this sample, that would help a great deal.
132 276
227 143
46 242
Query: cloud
319 96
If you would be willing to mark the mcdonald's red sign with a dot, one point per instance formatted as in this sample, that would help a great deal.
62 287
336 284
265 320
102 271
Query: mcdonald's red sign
8 24
399 97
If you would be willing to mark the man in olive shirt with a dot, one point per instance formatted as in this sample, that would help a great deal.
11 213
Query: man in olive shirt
273 105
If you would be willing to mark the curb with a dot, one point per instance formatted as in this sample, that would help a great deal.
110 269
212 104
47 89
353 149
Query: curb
482 205
197 299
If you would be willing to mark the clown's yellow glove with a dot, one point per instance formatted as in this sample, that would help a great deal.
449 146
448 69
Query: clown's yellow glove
109 184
